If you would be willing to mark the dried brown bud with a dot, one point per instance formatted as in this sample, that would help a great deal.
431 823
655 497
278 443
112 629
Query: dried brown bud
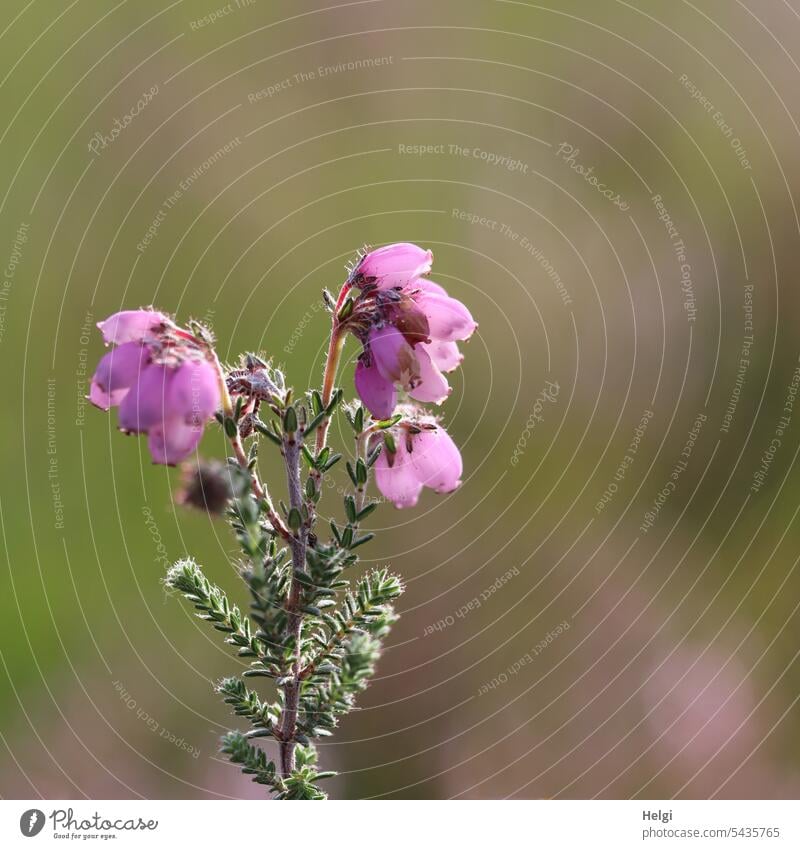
209 485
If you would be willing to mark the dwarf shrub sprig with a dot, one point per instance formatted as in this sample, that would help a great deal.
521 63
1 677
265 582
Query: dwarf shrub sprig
310 623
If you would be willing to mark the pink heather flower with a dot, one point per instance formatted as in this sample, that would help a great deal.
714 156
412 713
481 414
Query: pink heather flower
419 452
161 382
395 265
131 326
115 373
408 326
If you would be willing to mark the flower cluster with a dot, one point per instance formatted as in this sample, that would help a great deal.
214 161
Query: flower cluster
409 328
161 379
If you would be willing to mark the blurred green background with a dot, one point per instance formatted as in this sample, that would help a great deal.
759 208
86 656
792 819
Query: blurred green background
601 183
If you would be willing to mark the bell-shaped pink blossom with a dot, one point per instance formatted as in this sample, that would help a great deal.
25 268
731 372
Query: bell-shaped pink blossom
131 326
409 327
394 265
392 360
392 356
448 319
173 442
378 394
162 384
445 355
116 372
423 455
432 386
143 407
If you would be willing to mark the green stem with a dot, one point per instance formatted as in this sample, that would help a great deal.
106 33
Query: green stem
291 689
298 543
329 378
259 489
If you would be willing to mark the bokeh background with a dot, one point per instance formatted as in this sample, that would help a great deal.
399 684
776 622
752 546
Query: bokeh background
608 607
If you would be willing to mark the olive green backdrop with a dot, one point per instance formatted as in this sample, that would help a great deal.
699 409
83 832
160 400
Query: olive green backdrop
608 606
